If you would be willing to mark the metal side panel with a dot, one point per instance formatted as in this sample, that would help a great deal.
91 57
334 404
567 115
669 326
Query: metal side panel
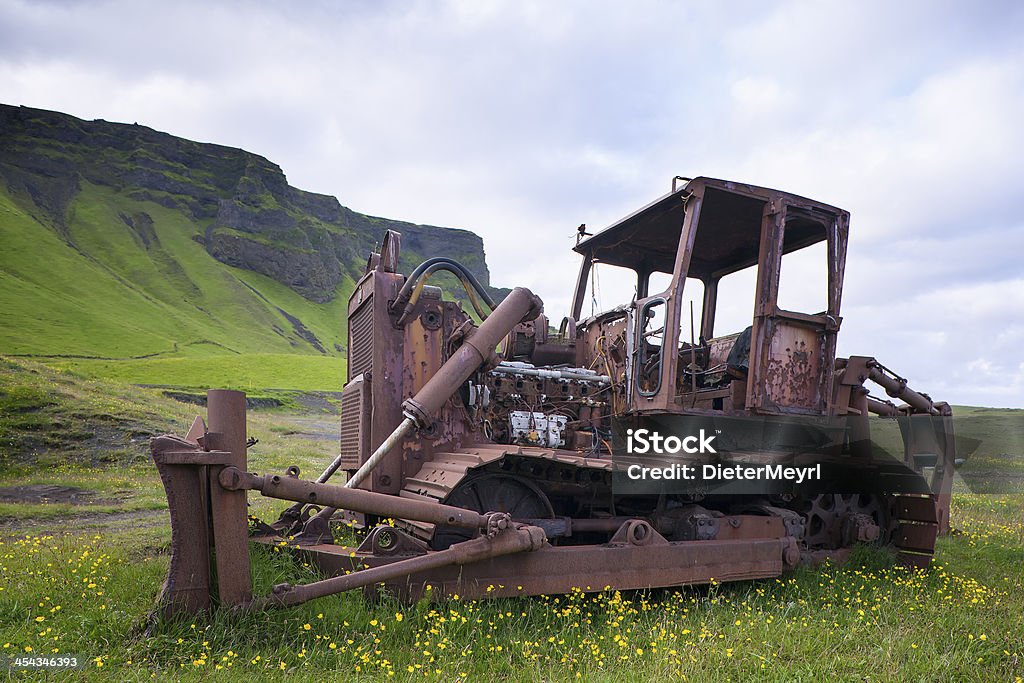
355 423
360 331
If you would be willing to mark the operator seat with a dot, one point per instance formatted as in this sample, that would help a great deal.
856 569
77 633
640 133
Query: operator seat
738 362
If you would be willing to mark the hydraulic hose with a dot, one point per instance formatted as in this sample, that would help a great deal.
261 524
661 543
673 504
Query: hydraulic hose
409 294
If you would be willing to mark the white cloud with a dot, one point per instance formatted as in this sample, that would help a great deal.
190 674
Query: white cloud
522 119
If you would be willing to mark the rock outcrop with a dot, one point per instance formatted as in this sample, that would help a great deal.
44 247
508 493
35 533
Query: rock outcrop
245 212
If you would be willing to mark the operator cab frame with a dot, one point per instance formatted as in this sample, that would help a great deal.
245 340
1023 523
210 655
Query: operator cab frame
704 231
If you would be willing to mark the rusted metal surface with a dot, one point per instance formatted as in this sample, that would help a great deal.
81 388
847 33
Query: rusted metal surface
572 473
355 435
205 516
794 367
477 550
410 293
187 586
229 509
483 441
293 488
476 350
896 387
589 568
393 439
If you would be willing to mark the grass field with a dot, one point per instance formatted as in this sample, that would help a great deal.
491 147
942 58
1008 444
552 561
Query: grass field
81 576
251 372
107 304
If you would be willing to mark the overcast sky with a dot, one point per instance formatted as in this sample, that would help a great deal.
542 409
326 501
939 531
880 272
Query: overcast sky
521 120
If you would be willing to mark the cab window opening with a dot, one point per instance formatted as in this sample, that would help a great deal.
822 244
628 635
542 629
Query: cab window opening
803 280
608 287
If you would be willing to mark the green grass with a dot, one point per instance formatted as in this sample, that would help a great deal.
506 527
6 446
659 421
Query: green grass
57 427
101 294
127 489
989 440
251 372
83 578
90 594
51 418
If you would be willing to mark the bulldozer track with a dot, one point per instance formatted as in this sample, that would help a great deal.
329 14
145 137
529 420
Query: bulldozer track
436 480
911 521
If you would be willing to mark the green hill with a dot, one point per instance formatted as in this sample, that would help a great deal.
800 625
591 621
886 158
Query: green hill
135 254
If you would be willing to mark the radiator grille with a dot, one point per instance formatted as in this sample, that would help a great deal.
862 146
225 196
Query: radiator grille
360 350
354 417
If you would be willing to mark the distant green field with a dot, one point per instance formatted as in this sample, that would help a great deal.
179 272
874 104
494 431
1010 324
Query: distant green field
250 372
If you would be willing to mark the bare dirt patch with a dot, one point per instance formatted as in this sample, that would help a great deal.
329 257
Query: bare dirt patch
319 428
91 522
48 493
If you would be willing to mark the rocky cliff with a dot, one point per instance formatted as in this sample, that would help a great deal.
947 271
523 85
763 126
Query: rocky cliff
245 212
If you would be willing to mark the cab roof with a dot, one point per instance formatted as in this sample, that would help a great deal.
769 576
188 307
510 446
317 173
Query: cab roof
728 234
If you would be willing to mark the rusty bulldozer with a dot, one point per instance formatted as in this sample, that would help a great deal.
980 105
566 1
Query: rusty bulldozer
486 458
